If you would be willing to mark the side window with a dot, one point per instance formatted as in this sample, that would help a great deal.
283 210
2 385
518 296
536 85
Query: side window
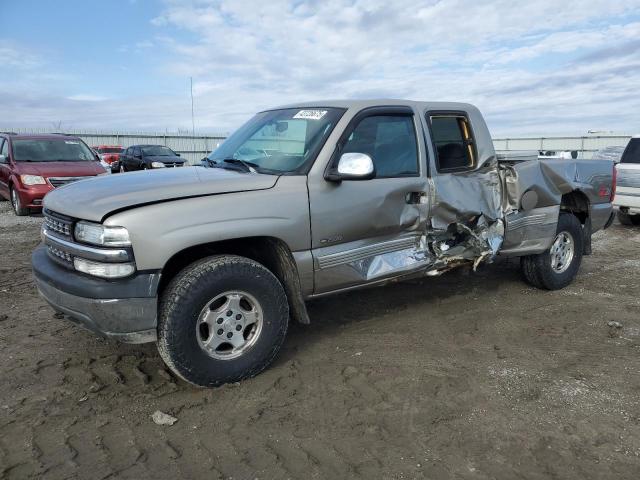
390 140
137 151
453 142
632 152
4 150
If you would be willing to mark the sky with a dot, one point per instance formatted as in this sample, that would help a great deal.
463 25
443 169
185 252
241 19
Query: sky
537 67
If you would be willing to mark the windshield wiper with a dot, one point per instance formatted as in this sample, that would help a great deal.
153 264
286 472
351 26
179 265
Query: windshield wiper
250 166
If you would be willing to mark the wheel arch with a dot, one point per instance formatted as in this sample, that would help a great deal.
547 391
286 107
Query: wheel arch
578 203
271 252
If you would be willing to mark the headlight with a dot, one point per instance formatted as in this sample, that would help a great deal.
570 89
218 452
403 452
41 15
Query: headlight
103 270
157 165
32 180
98 234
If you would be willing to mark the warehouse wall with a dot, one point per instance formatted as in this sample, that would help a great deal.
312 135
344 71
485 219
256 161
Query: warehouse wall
587 145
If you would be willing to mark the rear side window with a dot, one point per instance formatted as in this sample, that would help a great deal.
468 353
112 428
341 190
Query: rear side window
632 152
5 148
390 140
453 142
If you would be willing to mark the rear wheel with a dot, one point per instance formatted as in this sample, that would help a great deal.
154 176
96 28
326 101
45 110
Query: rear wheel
557 267
17 205
221 320
628 219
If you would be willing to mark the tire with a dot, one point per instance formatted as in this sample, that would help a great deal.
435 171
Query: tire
17 205
627 219
192 294
122 170
538 270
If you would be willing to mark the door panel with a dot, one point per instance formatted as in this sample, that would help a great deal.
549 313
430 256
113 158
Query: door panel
465 170
367 230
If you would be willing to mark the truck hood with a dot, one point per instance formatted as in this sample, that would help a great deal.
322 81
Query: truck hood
95 198
59 169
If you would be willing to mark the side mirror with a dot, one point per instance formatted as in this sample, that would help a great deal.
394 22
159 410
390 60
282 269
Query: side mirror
352 166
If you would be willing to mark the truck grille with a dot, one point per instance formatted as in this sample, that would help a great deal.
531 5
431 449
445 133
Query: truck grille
171 165
58 224
59 255
60 181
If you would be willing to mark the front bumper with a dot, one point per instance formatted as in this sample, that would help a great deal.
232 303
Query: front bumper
31 196
125 310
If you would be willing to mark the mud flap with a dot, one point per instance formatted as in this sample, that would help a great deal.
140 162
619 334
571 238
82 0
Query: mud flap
586 233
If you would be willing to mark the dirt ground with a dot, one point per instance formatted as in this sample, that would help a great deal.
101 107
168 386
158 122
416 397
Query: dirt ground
467 376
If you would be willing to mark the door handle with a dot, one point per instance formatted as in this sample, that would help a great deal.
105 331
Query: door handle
416 198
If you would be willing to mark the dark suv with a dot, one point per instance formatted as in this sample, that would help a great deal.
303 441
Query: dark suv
143 157
33 165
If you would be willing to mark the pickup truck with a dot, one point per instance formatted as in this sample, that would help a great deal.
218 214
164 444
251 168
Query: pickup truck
304 201
628 197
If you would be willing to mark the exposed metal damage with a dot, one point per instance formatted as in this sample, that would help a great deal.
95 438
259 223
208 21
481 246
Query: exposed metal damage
476 243
462 229
467 225
438 251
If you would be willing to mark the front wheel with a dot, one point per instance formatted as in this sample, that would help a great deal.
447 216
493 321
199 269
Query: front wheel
557 267
222 320
17 204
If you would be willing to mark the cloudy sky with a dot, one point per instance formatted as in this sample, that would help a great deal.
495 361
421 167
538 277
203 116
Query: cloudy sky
533 67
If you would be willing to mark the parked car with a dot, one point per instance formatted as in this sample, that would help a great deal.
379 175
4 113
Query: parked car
110 154
564 154
628 196
305 201
33 165
143 157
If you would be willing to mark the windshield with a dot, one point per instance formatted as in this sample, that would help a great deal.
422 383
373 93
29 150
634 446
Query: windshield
63 150
158 151
632 152
279 141
109 150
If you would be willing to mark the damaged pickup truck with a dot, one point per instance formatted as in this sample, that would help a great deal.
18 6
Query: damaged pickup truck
305 201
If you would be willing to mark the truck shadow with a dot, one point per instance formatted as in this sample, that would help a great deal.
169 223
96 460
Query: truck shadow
330 313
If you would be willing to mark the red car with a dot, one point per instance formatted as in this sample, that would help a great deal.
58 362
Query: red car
109 154
33 165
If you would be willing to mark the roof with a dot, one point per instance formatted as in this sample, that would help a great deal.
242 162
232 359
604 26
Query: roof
379 102
147 145
39 136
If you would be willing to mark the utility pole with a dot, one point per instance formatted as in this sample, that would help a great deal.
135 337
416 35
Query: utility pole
193 122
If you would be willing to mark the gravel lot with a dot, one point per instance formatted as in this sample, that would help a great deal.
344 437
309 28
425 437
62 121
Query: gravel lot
467 376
